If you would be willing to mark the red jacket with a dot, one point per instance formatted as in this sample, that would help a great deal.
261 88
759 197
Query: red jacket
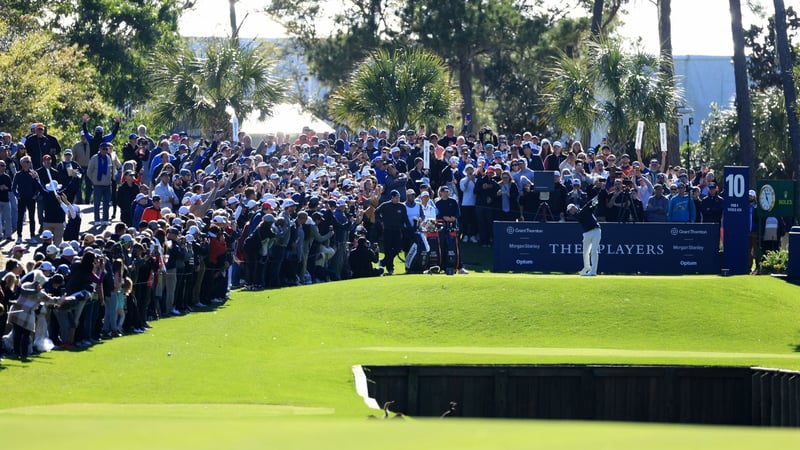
151 214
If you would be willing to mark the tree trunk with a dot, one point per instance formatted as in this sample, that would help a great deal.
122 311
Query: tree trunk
743 111
234 25
597 17
465 86
789 92
668 71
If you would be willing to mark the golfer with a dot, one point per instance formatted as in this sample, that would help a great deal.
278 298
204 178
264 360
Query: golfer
591 236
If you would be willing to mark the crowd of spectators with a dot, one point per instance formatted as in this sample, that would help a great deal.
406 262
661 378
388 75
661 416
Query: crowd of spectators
193 218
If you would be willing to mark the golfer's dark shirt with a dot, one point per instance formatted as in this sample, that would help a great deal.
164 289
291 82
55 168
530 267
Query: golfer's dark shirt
586 218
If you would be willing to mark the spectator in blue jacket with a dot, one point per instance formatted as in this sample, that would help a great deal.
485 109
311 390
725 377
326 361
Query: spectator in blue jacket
681 206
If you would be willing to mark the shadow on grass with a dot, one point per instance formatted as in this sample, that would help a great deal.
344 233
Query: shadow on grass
476 258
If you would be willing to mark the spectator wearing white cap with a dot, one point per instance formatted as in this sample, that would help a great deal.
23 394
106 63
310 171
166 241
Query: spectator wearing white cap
469 220
54 206
428 207
46 239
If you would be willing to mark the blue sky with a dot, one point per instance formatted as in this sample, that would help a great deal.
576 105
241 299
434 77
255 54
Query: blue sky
699 27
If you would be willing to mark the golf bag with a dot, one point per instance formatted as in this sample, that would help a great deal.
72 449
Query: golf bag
435 253
417 257
449 248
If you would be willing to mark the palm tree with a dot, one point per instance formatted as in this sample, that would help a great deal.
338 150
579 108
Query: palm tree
742 92
720 141
613 89
201 90
668 72
573 105
395 89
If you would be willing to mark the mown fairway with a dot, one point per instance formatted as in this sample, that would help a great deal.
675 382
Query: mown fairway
274 367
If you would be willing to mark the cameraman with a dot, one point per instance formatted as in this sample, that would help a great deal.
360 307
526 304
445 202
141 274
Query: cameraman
362 258
625 202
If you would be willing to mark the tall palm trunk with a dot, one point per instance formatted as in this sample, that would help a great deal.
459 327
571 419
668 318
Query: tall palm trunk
465 85
232 12
597 17
668 71
743 111
789 92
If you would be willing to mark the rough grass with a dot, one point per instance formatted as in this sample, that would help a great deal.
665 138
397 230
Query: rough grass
290 352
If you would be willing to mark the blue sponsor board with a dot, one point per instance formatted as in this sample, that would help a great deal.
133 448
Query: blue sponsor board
647 248
736 219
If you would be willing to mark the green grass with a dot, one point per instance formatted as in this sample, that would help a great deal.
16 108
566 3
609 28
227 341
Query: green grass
244 369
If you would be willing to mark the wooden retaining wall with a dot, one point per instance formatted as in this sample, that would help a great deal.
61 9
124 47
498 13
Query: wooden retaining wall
678 394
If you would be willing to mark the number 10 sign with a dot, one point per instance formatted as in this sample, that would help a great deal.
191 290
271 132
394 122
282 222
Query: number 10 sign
736 219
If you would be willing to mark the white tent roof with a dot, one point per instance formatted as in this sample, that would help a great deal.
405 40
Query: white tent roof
286 117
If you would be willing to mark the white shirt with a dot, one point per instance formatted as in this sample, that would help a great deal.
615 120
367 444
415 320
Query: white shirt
413 213
467 192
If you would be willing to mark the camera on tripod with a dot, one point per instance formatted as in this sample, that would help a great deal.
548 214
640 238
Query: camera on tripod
544 184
